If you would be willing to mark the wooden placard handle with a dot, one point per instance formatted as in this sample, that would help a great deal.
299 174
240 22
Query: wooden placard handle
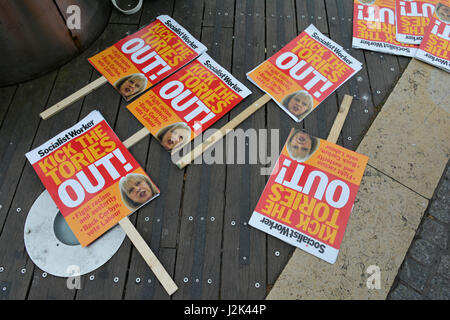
148 255
340 119
72 98
255 106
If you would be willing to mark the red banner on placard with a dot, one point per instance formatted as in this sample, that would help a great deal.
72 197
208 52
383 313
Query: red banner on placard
435 46
139 61
374 28
412 18
93 179
304 72
310 194
188 102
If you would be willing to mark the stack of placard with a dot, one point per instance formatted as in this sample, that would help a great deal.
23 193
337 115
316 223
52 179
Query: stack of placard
412 28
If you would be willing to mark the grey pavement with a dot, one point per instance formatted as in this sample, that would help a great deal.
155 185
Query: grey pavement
425 272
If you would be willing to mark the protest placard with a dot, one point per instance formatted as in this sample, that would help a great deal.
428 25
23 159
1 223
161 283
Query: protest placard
139 61
93 179
309 196
374 28
304 72
435 46
188 102
411 19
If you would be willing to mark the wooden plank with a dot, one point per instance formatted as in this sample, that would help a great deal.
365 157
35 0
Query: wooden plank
244 248
155 8
311 12
383 70
203 204
142 284
158 222
282 31
152 261
189 13
340 23
106 100
16 200
219 13
6 96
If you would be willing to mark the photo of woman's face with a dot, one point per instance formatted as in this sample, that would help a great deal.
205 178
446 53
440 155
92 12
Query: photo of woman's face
139 191
298 105
174 138
130 87
300 145
443 13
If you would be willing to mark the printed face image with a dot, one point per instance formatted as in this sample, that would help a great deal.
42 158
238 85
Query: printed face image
298 105
443 13
139 191
300 145
130 87
366 1
174 138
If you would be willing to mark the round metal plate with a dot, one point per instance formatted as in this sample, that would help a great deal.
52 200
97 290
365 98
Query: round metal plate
60 259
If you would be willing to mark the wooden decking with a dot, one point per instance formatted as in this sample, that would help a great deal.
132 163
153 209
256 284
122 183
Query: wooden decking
198 226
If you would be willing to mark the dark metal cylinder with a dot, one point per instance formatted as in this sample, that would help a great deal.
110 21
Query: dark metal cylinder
38 36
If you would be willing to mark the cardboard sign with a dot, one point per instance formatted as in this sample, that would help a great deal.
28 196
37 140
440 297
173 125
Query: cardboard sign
92 177
411 19
374 28
306 71
141 60
310 194
188 102
435 46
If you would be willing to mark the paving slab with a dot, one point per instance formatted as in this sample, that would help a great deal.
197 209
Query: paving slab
380 229
408 140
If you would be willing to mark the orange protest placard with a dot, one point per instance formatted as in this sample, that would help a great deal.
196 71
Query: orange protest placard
139 61
374 28
435 46
411 19
188 102
310 194
93 179
304 72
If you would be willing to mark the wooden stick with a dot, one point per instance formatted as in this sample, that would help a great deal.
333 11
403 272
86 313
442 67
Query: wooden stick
72 98
340 119
255 106
148 255
138 136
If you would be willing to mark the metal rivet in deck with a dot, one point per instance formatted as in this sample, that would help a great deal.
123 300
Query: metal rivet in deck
197 280
18 209
366 111
116 279
158 220
149 280
392 69
378 91
212 218
138 280
91 277
209 281
147 219
349 138
277 253
191 218
4 288
44 275
233 223
2 269
202 218
244 258
319 18
257 285
185 280
23 271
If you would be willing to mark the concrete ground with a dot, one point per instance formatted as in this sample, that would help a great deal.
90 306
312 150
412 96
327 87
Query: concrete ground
425 272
